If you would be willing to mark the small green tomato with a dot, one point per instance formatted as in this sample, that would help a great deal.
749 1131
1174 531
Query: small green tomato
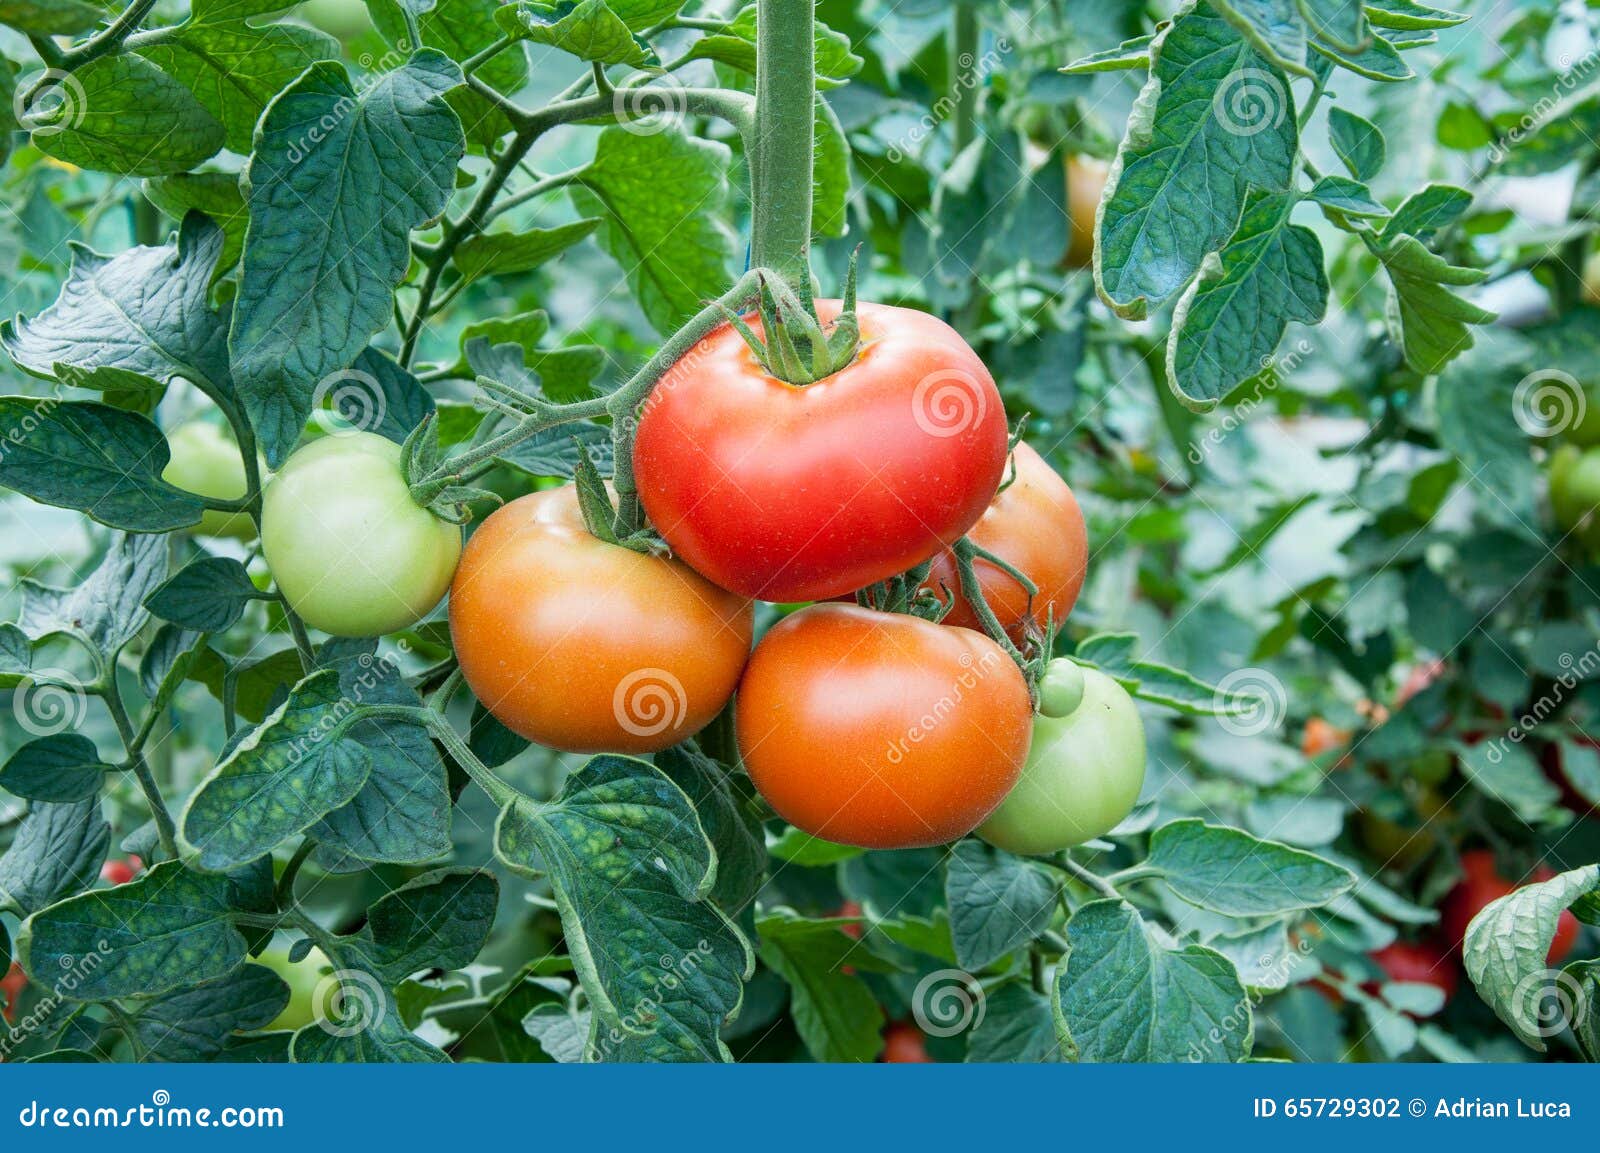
351 551
205 461
1084 769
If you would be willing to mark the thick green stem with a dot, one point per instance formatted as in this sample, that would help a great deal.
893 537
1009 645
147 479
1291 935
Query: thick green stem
283 894
111 39
166 831
964 36
1089 877
972 592
781 171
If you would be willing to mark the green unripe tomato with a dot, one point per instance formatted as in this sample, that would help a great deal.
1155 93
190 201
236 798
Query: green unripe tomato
344 20
351 551
205 461
1083 774
302 980
1061 688
1575 492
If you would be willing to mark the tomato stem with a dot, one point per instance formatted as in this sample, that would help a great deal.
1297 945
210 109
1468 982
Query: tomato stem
972 590
783 146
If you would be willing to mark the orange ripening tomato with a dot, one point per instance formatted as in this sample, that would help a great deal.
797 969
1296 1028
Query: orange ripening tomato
879 729
797 493
1035 525
905 1044
586 646
1321 737
1086 182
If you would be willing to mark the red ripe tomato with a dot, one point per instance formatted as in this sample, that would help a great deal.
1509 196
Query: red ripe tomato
11 986
587 646
1034 524
904 1044
1420 964
116 872
795 493
850 909
881 730
1482 883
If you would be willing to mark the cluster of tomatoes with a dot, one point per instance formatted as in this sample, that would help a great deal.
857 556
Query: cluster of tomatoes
859 725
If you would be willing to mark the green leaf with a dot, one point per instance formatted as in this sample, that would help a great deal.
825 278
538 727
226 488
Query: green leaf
208 595
501 253
735 835
1378 60
1229 322
143 311
1339 22
384 167
1406 15
1357 141
1427 211
216 195
831 166
195 1024
1121 995
998 902
631 868
1016 1025
561 1030
287 774
587 29
58 768
834 1012
1580 764
385 1040
1505 954
235 68
1511 775
662 198
104 610
1230 872
122 114
735 46
377 395
1128 55
1275 27
439 920
169 929
102 461
799 847
402 813
16 656
1428 321
1350 197
50 17
1113 654
1215 119
57 849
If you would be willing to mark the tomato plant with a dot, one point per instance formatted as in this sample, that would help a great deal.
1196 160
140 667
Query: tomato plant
424 424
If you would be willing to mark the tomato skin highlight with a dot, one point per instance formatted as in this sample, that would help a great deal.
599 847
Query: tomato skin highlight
789 493
207 462
1481 884
1035 525
881 730
351 551
586 646
1083 775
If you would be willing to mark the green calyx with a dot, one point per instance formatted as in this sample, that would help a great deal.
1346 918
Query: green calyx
447 497
794 345
600 514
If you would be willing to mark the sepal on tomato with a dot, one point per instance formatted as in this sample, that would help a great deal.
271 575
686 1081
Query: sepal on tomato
794 345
